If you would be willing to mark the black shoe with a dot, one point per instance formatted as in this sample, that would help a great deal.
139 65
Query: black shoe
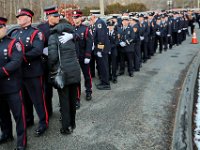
29 123
65 131
131 74
20 148
78 104
40 131
60 119
137 70
6 138
120 73
88 96
114 80
103 87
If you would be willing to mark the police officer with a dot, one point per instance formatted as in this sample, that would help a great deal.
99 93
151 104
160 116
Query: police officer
32 69
144 32
101 49
165 31
126 42
11 57
175 28
113 37
83 45
159 34
152 33
53 18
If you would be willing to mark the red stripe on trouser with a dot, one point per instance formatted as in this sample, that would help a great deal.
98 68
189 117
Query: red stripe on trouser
43 98
78 93
23 116
90 76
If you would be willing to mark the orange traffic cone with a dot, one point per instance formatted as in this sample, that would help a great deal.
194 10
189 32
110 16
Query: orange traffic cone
194 38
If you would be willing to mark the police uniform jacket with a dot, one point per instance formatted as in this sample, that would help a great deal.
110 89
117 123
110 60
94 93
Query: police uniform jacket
175 24
100 35
128 36
84 42
70 64
33 43
144 30
113 38
137 33
11 57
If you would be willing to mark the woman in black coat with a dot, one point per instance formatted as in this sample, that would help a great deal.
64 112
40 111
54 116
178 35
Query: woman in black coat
71 69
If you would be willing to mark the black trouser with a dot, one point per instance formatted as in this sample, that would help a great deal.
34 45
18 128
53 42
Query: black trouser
87 76
144 50
170 41
112 59
129 56
14 103
67 99
92 64
137 56
48 90
151 44
165 42
102 65
33 93
160 40
175 38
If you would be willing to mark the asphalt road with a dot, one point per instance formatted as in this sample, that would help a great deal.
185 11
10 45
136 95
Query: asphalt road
137 114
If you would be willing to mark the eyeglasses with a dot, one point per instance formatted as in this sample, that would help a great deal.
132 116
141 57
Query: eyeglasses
1 26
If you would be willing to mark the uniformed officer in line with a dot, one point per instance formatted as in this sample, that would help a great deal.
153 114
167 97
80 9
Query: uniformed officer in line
159 35
11 57
185 27
101 49
83 43
134 23
169 30
113 37
126 42
165 32
175 28
32 69
144 33
53 18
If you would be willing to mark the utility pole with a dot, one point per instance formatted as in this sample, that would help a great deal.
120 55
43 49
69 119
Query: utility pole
101 2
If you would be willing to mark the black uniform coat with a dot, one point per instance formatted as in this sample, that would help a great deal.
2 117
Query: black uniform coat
10 64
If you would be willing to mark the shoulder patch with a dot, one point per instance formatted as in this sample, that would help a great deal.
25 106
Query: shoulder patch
18 46
40 35
99 26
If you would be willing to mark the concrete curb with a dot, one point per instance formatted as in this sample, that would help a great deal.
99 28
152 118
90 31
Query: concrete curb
182 132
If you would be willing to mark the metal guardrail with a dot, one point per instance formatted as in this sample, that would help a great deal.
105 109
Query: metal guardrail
183 134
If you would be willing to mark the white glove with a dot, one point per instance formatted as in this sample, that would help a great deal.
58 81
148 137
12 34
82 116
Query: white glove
45 51
168 35
109 52
93 46
141 37
86 61
65 37
158 33
99 54
122 44
179 31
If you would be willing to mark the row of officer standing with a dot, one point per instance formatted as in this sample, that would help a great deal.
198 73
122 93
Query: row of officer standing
29 56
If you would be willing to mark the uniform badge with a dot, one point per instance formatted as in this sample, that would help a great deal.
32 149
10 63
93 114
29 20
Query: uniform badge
18 46
82 34
99 26
40 35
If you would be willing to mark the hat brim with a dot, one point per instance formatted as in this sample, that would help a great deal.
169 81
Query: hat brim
54 15
17 16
